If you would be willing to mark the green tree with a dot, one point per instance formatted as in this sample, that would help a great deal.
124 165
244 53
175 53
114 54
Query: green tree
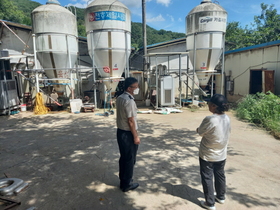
9 11
26 6
266 28
267 25
238 37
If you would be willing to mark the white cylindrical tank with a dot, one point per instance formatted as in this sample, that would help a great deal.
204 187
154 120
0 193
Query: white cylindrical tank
205 29
55 29
108 26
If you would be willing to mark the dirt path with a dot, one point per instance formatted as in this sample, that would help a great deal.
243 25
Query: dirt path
71 163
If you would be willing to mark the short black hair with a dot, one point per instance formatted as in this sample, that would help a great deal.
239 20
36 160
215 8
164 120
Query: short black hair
220 101
129 81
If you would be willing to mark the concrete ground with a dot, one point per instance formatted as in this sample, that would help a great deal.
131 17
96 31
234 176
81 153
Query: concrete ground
71 163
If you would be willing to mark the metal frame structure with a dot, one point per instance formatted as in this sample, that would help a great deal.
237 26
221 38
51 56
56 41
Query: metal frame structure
192 77
210 72
50 79
168 54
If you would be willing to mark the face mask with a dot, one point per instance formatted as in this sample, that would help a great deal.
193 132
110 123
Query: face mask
136 91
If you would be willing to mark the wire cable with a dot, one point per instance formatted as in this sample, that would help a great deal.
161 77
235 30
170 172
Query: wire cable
255 66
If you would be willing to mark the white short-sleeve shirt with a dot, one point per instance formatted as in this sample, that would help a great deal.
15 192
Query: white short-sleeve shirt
215 130
126 108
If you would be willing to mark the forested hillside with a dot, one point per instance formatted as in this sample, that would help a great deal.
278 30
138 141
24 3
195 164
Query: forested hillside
265 28
20 11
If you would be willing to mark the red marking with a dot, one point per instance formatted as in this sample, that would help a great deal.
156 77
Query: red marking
106 69
91 17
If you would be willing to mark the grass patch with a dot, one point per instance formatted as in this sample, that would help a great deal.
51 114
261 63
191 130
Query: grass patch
262 110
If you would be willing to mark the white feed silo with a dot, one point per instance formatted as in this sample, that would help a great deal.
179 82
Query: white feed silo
206 27
56 41
108 27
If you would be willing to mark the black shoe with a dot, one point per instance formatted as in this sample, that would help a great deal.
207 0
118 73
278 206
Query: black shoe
132 186
122 185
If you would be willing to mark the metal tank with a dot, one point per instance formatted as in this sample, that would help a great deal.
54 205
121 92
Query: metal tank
56 42
206 27
108 27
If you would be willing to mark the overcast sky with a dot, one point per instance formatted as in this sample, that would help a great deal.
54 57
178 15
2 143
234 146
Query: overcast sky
170 14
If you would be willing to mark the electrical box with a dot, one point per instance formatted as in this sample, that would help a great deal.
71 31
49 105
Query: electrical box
166 91
229 86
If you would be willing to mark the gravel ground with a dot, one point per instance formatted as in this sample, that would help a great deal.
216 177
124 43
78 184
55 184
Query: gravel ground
71 163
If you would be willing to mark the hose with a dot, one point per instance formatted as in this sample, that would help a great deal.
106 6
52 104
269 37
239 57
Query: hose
40 107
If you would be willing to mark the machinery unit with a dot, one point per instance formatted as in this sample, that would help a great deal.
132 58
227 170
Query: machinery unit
8 88
206 26
108 26
166 91
56 41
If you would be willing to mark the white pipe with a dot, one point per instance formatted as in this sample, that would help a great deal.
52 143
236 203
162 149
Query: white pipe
187 90
223 65
35 62
127 57
194 66
180 80
157 95
70 66
212 84
168 64
93 68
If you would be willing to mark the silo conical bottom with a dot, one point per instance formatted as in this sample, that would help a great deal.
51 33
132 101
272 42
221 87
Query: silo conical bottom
111 83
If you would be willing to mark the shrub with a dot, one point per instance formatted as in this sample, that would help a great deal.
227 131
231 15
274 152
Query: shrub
261 109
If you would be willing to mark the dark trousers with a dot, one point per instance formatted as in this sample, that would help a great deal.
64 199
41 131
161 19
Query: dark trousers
207 170
128 151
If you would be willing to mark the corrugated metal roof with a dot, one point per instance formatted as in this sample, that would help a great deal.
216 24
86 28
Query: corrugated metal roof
18 25
165 42
264 45
9 23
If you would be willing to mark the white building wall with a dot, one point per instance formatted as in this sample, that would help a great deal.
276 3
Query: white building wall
272 57
173 60
241 63
11 42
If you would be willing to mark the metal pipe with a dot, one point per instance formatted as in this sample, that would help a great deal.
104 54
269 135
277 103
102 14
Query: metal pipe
6 87
46 69
144 34
149 81
157 95
54 79
70 65
126 73
180 80
212 84
168 64
188 64
35 62
223 64
194 66
78 79
93 68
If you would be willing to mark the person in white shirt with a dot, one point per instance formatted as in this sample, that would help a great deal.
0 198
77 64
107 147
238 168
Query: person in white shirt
127 136
215 131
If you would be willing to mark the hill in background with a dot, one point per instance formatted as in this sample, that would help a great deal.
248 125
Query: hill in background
19 11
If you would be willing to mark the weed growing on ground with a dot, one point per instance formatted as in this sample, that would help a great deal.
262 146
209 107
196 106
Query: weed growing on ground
261 109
